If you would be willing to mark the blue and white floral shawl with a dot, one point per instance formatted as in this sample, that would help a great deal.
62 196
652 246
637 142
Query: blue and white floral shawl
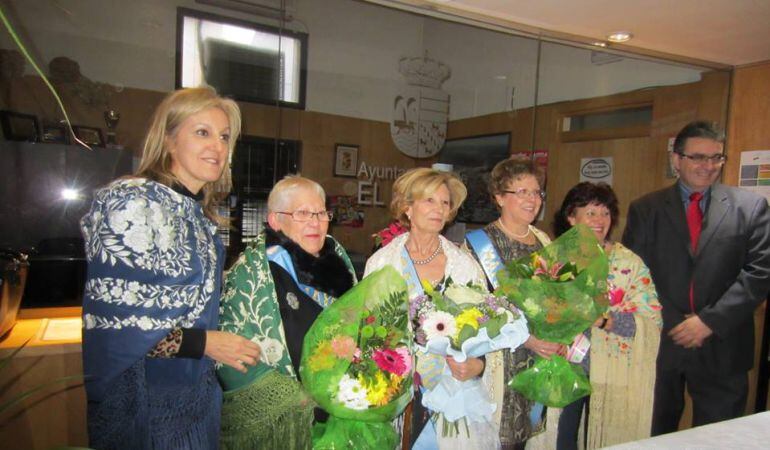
154 263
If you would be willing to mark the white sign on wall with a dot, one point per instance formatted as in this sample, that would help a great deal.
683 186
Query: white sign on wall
597 170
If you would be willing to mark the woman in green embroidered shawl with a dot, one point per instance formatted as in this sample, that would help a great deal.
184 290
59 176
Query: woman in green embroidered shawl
273 294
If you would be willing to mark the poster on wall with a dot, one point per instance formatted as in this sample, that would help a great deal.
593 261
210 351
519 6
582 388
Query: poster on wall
755 172
346 211
597 170
540 160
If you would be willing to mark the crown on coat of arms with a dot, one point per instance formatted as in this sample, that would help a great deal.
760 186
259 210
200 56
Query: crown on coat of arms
424 71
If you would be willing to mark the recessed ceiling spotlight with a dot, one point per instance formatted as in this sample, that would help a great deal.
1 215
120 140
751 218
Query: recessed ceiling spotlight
619 36
601 44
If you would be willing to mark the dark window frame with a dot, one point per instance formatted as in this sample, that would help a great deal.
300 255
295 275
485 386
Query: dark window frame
182 13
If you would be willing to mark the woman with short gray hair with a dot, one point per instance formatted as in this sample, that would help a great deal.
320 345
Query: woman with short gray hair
273 294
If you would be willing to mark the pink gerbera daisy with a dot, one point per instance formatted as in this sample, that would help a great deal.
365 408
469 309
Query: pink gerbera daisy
391 361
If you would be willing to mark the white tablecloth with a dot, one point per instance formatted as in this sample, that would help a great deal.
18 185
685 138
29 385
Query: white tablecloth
742 433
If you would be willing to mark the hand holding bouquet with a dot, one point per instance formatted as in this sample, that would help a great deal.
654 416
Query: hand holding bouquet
357 364
562 290
463 322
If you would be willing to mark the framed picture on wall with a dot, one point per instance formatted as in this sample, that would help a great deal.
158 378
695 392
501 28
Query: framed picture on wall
18 126
89 135
54 133
345 160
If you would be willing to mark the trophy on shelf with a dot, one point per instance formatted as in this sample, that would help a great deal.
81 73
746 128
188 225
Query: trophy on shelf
111 118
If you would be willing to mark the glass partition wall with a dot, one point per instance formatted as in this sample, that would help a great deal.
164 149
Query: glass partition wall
345 92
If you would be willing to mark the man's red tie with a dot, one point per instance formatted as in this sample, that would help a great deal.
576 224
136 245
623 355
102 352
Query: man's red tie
694 223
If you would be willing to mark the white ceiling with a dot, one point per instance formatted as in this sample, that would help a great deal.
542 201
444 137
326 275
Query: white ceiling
732 32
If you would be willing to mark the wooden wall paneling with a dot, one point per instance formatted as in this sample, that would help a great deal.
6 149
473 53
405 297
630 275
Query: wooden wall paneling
749 129
55 416
749 123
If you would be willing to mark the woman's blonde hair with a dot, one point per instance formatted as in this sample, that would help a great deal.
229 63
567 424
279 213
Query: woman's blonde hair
419 183
280 196
169 115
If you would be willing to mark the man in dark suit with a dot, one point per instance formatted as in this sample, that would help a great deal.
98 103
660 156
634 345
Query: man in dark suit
708 248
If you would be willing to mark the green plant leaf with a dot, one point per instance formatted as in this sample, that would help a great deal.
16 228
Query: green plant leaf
16 400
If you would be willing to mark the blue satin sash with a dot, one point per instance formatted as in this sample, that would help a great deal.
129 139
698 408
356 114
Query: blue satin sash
280 256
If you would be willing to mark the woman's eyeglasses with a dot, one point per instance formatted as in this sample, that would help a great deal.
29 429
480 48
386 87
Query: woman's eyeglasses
526 193
306 216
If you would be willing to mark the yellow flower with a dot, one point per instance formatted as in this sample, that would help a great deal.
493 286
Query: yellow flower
376 389
470 317
322 358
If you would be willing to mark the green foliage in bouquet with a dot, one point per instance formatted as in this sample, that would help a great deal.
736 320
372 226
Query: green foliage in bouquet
357 364
553 382
561 289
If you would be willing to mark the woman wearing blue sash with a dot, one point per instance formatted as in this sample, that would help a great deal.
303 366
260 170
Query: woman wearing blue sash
515 188
273 294
424 200
151 302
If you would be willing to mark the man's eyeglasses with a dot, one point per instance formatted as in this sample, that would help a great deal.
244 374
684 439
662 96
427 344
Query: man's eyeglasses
306 216
702 159
526 193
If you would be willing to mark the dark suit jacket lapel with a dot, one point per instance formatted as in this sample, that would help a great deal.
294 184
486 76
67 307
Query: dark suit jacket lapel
717 209
675 211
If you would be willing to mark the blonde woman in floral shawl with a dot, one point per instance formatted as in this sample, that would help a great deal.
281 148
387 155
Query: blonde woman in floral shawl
514 186
624 343
273 294
151 302
424 200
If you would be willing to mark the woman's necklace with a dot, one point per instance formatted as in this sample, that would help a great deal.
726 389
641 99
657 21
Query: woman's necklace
517 236
422 262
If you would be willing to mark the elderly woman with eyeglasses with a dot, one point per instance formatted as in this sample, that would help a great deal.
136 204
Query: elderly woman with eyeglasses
273 294
514 186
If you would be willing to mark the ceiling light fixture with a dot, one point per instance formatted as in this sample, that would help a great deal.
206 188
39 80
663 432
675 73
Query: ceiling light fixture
619 36
601 44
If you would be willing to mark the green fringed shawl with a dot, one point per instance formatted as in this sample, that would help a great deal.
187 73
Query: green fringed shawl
265 407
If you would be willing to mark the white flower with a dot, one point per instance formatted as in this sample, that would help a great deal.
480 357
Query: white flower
116 291
351 394
155 216
144 323
272 350
137 211
129 297
164 237
134 286
464 294
88 321
119 221
138 238
439 323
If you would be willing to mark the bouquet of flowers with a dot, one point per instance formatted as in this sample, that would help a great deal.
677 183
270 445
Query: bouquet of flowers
357 364
463 322
562 290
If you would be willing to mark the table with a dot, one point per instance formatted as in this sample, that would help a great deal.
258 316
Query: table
54 416
743 433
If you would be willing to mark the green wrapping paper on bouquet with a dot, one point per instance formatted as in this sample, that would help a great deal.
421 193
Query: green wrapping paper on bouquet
562 290
357 364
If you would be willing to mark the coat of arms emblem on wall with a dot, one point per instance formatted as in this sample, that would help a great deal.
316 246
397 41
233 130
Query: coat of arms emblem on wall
421 108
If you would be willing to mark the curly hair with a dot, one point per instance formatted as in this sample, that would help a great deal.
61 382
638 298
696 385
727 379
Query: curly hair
509 170
419 183
581 195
